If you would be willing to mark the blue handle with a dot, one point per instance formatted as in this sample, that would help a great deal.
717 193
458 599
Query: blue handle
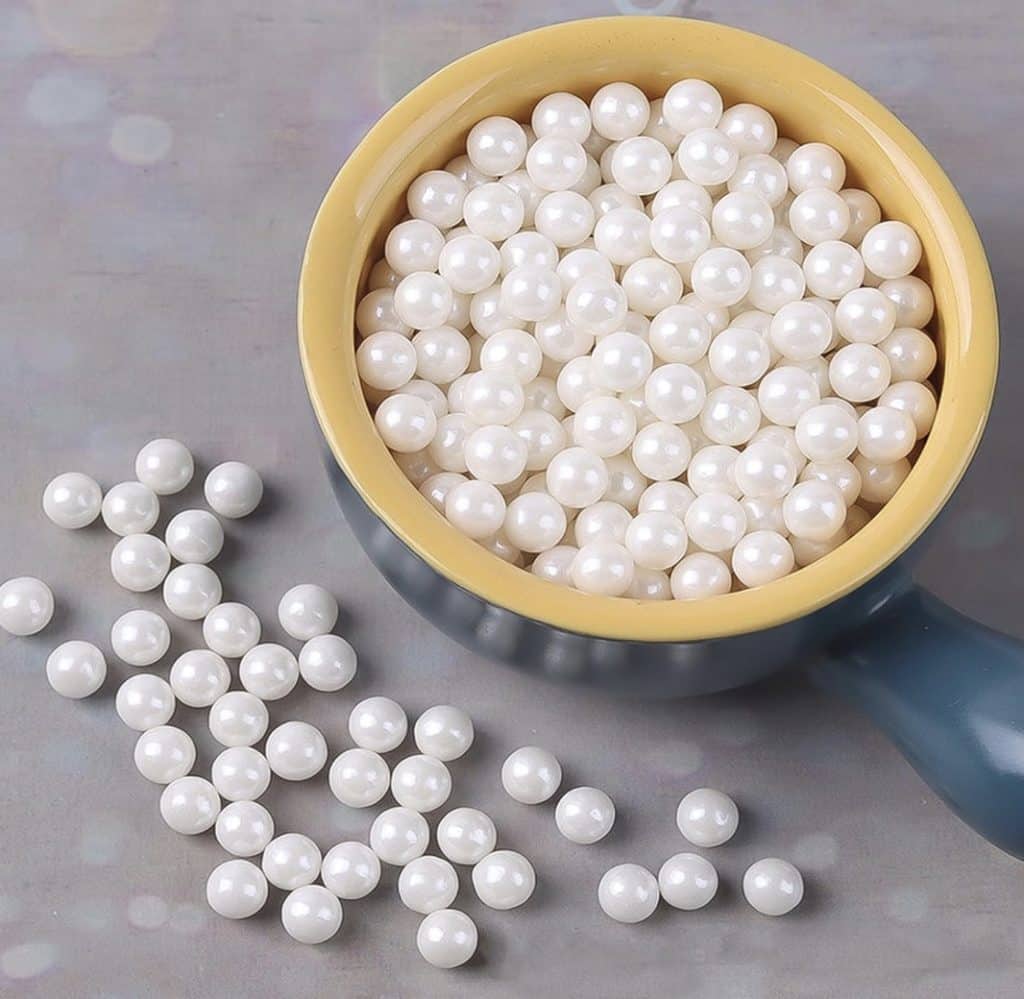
950 693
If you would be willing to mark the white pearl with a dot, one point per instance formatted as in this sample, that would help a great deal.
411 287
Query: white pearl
477 509
785 393
668 497
437 487
531 775
814 510
424 300
584 815
604 426
619 111
238 718
607 197
493 397
446 938
842 474
620 362
707 157
680 334
76 669
555 564
742 220
448 448
413 245
773 887
560 339
399 835
808 552
233 489
596 305
651 285
800 331
240 773
350 870
713 470
130 508
819 214
496 145
556 162
139 562
307 611
707 817
762 557
463 169
194 536
914 399
682 194
164 753
139 637
443 732
604 521
700 575
543 435
826 433
641 165
914 301
421 783
527 249
739 356
865 315
721 276
405 423
576 478
661 451
291 861
493 211
859 372
565 217
311 914
513 351
26 605
561 114
750 128
760 174
442 354
656 540
715 522
165 466
763 514
466 835
236 889
880 481
602 567
296 750
72 500
781 243
911 354
687 881
504 879
534 522
359 778
376 312
575 385
231 630
199 678
628 893
886 434
891 249
531 293
625 483
327 662
623 236
244 828
436 196
427 884
144 702
730 416
833 268
191 591
189 805
269 671
495 454
815 164
679 234
765 470
692 104
378 723
386 360
864 213
581 262
775 282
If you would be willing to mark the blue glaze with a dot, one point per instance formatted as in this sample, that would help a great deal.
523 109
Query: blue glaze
948 692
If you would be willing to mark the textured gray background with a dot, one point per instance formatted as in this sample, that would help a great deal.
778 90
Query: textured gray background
148 271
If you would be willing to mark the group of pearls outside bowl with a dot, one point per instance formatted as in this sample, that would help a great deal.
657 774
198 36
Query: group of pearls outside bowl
295 750
541 373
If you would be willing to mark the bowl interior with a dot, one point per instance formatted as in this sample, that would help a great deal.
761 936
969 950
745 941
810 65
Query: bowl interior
810 102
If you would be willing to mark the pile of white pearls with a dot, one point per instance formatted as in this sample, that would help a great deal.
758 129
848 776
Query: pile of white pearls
649 349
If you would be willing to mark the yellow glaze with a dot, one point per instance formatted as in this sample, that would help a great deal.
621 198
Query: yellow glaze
811 102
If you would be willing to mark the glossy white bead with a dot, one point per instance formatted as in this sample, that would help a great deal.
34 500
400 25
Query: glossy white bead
814 510
307 611
427 884
914 301
739 356
442 354
596 305
619 111
762 557
623 236
603 521
864 213
530 293
730 416
399 835
773 887
165 466
311 914
556 162
378 723
385 360
234 489
565 217
715 522
139 637
826 433
692 104
641 165
576 478
421 783
750 128
76 669
437 196
886 434
584 815
194 536
191 591
504 879
423 300
721 276
880 480
496 145
786 393
359 778
144 702
832 269
231 630
859 372
296 750
291 861
555 565
625 483
543 435
534 522
707 157
842 474
477 509
72 500
700 575
760 174
493 397
531 775
139 562
269 671
707 817
815 164
680 334
238 718
712 470
236 889
604 568
891 249
661 451
493 211
130 508
244 828
164 754
327 662
687 881
742 220
818 214
765 470
350 870
775 283
405 423
443 732
667 497
189 805
800 331
495 454
240 773
376 313
865 315
26 605
628 893
911 354
651 285
447 938
914 399
561 114
604 426
656 540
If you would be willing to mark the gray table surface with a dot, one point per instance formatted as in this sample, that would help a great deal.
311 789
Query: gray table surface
148 271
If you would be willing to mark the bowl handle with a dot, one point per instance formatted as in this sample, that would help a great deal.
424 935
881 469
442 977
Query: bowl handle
949 692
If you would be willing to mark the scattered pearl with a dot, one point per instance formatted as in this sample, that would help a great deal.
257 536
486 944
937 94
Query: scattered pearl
189 805
585 815
234 489
504 879
495 454
628 893
399 835
240 773
773 887
493 211
307 611
707 817
446 938
359 778
236 889
195 536
692 104
164 754
311 914
327 663
238 718
244 828
76 669
350 870
165 465
191 591
427 884
199 677
26 605
130 508
72 500
139 562
296 750
421 783
231 630
466 835
144 702
687 881
531 775
140 637
750 128
291 861
378 723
